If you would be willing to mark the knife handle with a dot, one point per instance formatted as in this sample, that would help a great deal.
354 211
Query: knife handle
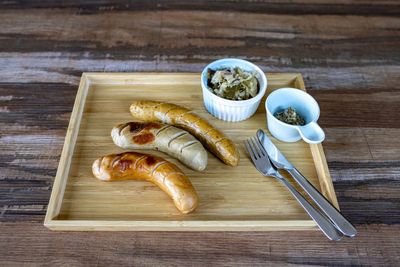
327 227
336 217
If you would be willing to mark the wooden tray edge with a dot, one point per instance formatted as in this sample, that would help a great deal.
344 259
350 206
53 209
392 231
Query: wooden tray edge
60 181
324 176
90 225
107 77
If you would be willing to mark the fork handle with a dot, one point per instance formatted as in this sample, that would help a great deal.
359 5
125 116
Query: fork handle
324 224
337 218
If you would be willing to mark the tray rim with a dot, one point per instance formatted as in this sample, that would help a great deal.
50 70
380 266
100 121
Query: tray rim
59 185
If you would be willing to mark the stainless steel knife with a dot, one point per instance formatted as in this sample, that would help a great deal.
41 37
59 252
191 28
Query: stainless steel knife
281 162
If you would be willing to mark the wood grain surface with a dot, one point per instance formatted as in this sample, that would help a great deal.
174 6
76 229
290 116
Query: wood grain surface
347 51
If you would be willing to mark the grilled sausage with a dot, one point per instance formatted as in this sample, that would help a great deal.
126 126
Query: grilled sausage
166 138
137 166
213 139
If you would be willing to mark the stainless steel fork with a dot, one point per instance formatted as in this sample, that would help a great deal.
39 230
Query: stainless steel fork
261 160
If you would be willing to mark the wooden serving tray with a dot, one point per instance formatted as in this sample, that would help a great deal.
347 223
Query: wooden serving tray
230 199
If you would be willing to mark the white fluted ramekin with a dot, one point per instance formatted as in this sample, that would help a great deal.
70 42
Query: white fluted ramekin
231 110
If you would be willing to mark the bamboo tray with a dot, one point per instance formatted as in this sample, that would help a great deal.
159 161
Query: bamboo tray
230 199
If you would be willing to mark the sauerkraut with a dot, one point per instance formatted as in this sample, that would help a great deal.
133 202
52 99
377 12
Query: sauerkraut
233 84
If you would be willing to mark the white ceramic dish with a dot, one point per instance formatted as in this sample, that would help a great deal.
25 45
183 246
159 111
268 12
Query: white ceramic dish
305 105
230 110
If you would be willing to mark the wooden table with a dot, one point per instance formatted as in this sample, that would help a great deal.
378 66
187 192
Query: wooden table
347 52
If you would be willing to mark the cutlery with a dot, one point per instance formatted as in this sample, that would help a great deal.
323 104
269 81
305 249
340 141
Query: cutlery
261 161
280 162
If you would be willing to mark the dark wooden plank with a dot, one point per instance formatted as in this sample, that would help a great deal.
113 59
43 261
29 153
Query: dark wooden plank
329 54
30 243
41 105
165 33
361 108
299 7
362 144
33 123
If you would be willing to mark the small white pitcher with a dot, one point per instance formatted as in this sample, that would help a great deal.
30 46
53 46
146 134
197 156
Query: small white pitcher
304 105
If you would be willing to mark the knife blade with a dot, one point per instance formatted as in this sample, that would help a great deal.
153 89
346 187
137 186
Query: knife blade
280 162
277 158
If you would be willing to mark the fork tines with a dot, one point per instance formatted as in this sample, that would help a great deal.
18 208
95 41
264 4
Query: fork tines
255 148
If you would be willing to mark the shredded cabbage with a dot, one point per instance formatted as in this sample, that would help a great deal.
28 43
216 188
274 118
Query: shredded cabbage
233 84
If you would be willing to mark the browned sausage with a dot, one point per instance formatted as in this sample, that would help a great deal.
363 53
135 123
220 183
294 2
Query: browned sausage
166 138
137 166
213 139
